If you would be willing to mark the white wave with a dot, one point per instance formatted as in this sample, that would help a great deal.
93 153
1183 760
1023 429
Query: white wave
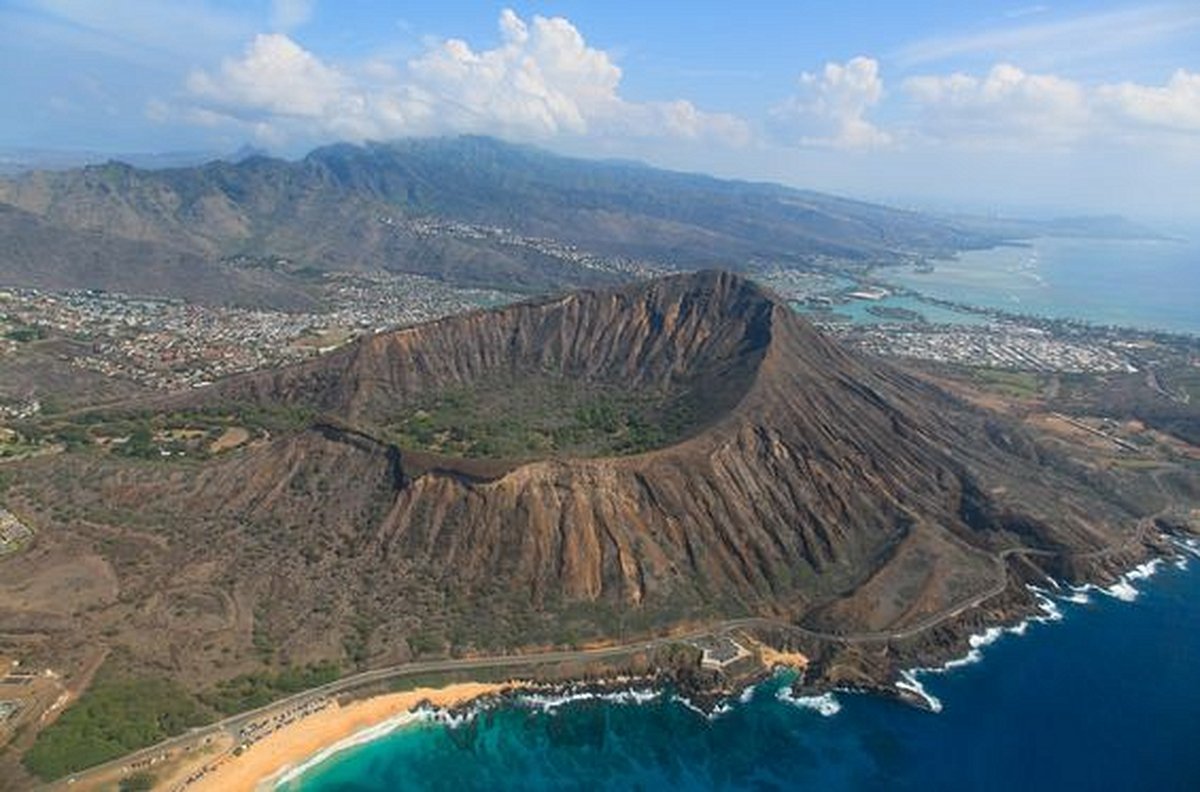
825 704
632 696
1049 608
1122 590
722 708
970 658
1143 571
908 681
1050 612
450 719
367 735
977 641
985 638
747 695
549 703
678 699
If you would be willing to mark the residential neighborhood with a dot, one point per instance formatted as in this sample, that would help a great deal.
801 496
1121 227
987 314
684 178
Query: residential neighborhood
171 344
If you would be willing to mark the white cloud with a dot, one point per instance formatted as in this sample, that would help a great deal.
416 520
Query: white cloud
1007 108
1010 108
1174 106
274 76
831 107
537 83
290 14
540 82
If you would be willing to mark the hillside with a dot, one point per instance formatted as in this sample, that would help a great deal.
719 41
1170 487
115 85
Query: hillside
468 210
43 255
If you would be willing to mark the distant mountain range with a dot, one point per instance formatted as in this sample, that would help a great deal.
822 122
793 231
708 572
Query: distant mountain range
469 210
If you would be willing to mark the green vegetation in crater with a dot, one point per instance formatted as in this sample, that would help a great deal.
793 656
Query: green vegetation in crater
543 417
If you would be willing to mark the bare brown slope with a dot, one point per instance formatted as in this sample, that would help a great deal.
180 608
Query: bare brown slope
707 330
818 475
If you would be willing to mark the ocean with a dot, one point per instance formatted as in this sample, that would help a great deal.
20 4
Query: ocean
1107 697
1151 284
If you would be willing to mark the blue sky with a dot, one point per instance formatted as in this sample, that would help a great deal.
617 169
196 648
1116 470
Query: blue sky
985 106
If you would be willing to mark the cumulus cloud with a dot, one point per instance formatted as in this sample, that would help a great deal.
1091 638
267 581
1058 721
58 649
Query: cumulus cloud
1008 107
541 81
1174 106
538 82
831 107
275 75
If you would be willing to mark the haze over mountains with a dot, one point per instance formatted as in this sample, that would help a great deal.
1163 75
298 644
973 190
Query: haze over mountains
424 206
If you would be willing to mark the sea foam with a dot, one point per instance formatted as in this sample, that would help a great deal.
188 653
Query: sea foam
1050 612
826 704
1123 589
908 681
549 703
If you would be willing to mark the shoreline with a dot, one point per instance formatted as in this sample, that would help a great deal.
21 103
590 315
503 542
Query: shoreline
300 744
299 734
913 692
824 703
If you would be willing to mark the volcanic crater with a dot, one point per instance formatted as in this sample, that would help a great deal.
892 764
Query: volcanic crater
677 451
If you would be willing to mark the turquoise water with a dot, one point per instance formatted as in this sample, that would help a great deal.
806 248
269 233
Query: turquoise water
1147 284
1106 699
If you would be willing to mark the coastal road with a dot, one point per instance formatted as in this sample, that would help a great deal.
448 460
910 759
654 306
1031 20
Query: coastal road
233 725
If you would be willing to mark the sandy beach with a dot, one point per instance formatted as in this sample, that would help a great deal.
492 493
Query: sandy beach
271 757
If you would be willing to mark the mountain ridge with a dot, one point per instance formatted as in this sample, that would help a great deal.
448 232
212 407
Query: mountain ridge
350 207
